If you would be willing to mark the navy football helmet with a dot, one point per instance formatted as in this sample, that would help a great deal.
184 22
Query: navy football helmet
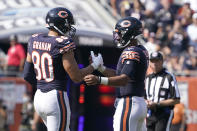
61 20
126 29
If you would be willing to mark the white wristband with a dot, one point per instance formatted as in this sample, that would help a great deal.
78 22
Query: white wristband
104 80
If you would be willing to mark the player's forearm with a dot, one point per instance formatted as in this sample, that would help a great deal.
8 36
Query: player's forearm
29 74
85 71
169 102
117 81
77 75
109 72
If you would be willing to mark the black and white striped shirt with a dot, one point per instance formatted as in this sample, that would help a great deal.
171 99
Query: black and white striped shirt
161 86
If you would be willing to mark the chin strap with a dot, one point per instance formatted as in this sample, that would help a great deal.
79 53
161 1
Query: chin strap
123 46
59 30
139 38
70 33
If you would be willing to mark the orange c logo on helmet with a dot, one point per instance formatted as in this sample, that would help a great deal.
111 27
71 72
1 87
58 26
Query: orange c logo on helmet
125 23
63 14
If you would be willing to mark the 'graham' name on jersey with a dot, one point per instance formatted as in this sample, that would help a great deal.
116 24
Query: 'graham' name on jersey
42 45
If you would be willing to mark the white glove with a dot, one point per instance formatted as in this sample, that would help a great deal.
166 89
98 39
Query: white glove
97 60
101 68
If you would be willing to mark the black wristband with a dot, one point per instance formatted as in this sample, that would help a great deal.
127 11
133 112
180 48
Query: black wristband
99 82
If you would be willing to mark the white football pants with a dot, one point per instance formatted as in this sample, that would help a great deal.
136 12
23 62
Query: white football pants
130 114
54 109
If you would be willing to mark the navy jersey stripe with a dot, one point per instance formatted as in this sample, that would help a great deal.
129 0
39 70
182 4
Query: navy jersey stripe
129 113
63 111
126 114
65 115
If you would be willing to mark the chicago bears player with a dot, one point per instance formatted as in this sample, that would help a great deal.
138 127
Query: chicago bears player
129 77
50 58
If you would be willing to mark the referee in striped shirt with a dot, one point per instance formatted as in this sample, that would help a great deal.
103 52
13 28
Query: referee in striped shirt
161 94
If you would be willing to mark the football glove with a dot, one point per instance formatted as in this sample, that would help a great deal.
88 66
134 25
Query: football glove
101 68
96 60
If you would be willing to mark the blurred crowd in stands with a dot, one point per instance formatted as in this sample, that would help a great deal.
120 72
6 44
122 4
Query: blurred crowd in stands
170 26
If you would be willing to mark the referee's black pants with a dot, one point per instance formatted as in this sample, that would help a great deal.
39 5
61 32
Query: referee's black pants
155 123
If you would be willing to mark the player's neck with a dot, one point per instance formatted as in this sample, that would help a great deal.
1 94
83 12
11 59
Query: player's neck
52 33
133 43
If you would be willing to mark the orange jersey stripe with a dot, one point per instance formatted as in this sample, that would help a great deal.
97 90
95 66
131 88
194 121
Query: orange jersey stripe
132 55
67 48
69 45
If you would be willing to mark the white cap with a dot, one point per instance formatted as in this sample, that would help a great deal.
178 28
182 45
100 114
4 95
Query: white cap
194 16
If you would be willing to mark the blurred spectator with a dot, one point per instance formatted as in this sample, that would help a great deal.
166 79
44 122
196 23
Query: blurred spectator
175 63
151 5
2 59
146 34
192 31
161 35
166 13
185 56
125 6
136 9
179 120
115 4
166 51
190 66
191 51
193 4
3 117
150 21
151 45
185 15
177 38
16 56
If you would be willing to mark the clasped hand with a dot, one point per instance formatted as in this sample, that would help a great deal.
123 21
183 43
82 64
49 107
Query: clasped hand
97 61
97 64
91 79
151 105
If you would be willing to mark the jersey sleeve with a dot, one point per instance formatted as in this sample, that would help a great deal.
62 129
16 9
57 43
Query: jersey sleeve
130 55
129 68
66 45
130 60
